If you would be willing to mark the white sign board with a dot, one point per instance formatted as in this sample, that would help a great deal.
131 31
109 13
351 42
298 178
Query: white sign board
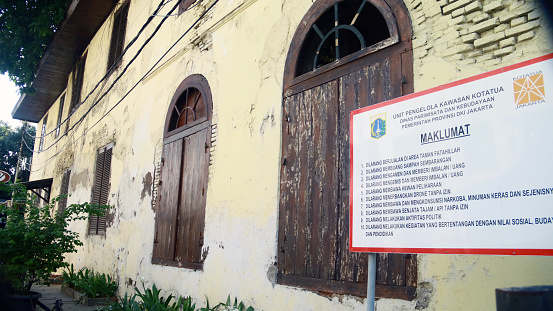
464 168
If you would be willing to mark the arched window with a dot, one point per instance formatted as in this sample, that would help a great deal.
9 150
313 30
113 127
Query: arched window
180 211
344 55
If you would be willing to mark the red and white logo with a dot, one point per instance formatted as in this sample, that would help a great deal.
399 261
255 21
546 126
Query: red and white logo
4 176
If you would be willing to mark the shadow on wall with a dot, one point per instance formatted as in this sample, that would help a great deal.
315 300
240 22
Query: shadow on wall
549 10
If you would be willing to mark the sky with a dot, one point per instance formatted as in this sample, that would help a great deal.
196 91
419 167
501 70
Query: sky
8 98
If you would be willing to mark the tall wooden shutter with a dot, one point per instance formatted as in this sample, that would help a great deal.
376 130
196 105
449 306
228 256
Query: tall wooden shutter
166 216
193 197
60 115
314 198
64 191
180 215
117 43
181 208
77 86
101 187
43 133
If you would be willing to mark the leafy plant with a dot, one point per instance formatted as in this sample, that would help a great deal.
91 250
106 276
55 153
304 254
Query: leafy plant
151 300
89 283
35 238
124 304
228 306
70 278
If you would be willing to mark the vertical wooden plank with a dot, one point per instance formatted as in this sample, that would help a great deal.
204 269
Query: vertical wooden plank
411 270
193 189
304 180
324 170
166 214
288 185
353 95
396 270
185 211
382 269
408 85
203 179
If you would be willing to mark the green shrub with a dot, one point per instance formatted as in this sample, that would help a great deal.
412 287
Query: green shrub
35 239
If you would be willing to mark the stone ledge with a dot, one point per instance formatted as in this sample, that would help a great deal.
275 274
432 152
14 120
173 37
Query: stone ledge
473 7
504 51
485 25
489 39
455 5
522 28
526 36
494 6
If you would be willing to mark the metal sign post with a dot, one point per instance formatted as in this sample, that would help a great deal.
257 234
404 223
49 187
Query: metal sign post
371 282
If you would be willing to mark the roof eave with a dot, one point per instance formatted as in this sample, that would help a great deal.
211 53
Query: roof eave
82 20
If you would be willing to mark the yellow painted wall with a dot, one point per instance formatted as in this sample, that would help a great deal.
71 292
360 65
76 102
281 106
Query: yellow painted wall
241 48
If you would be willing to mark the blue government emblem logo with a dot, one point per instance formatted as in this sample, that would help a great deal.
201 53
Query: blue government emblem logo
378 126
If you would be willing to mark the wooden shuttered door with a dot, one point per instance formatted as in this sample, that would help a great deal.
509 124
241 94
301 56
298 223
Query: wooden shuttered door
117 43
64 191
180 215
314 196
101 187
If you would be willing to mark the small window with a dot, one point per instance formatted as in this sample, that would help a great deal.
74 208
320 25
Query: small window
343 29
117 44
43 133
64 191
60 115
185 5
100 189
78 75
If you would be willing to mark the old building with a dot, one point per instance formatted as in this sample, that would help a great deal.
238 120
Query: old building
218 131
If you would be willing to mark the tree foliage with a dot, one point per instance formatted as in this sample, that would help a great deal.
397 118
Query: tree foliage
10 142
26 27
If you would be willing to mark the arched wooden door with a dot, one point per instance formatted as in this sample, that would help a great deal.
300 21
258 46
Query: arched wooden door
345 55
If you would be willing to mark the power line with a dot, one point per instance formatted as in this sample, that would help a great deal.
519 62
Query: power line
136 84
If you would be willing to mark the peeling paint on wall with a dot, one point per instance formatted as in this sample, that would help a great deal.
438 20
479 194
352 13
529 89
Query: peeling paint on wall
79 179
147 183
424 295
